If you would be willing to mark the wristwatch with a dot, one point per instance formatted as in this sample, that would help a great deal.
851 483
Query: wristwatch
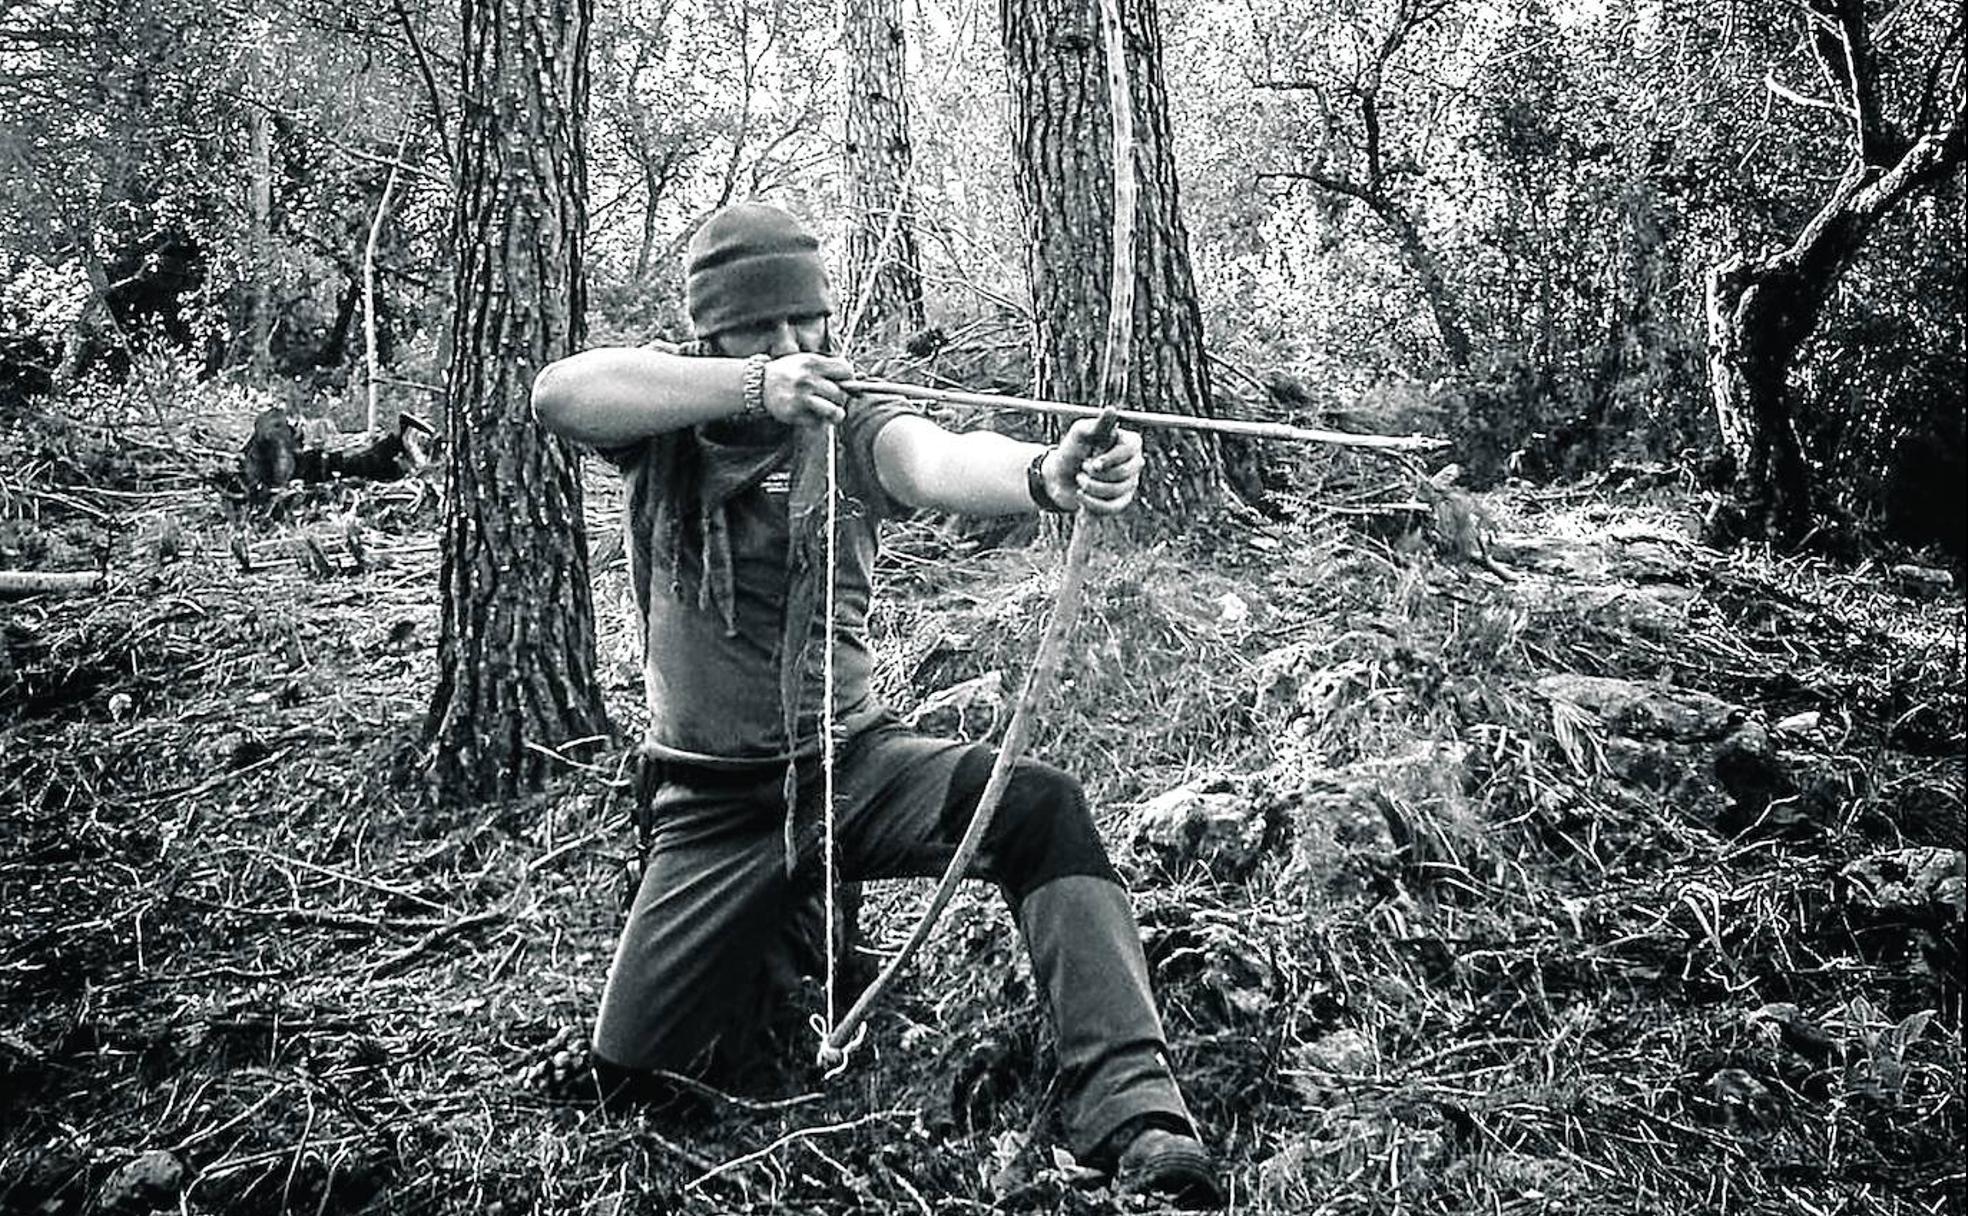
755 384
1035 485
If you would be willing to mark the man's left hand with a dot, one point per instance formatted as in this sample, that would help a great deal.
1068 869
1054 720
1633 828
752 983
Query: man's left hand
1078 472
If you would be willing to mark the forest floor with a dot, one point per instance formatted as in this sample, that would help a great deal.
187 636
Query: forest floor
1628 881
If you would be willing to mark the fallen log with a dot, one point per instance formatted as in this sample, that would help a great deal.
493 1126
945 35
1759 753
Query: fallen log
14 583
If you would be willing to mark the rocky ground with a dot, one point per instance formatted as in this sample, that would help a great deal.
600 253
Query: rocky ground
1542 860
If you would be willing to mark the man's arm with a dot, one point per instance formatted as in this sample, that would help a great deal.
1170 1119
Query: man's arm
615 395
983 473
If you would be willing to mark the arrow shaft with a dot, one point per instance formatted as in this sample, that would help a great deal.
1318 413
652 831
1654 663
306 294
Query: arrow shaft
1180 422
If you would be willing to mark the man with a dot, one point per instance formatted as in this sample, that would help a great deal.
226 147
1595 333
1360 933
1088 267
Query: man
724 451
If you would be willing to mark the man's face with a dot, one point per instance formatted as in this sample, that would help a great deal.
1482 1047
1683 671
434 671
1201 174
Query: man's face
783 336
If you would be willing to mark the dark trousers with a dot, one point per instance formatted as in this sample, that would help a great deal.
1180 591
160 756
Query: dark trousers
717 921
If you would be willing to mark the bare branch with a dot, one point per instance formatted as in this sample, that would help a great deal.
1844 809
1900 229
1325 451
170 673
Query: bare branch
1815 103
1946 56
439 121
1843 43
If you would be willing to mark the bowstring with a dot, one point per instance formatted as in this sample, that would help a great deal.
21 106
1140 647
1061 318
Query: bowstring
827 719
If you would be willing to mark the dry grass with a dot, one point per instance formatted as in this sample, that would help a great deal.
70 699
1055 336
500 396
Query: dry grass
242 932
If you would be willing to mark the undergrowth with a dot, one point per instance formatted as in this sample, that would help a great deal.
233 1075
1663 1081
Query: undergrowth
1484 951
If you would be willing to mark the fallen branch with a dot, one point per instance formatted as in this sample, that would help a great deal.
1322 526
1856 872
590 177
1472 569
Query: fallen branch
410 953
50 582
793 1137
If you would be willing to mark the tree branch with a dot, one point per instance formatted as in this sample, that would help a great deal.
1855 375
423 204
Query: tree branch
438 119
1815 103
1843 44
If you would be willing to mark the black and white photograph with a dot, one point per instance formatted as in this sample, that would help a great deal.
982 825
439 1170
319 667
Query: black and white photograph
930 607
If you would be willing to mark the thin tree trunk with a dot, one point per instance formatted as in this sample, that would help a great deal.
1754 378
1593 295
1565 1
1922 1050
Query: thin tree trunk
1441 299
516 669
884 268
369 357
1061 136
259 190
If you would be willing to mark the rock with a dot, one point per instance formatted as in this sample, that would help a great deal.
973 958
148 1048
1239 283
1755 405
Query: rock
1747 767
1278 675
1645 710
1332 1064
1222 832
1581 560
146 1184
1787 1026
1799 726
1925 582
1741 1100
970 709
1650 765
1920 884
1346 1050
1930 812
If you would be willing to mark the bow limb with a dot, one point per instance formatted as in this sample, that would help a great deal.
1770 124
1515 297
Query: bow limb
1114 364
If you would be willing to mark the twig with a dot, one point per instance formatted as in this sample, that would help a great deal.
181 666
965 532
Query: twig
344 876
754 1105
404 956
210 783
555 854
798 1134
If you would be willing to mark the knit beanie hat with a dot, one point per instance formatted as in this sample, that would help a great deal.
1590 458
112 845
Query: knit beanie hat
752 262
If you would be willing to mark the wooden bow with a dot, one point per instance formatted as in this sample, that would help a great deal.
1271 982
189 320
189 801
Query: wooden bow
1066 606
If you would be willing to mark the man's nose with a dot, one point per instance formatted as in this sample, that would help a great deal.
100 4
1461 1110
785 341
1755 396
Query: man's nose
784 340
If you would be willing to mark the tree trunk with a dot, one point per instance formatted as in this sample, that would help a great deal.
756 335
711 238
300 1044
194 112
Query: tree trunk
1441 299
259 191
1761 310
1752 338
516 669
1062 138
884 270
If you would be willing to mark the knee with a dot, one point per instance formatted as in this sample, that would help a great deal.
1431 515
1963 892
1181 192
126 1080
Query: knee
1044 831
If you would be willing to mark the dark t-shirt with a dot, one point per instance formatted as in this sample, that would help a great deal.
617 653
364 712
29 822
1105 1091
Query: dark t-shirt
714 693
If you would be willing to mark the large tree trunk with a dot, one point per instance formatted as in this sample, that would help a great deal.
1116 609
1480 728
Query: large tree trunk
516 650
884 270
1753 334
1762 309
1062 138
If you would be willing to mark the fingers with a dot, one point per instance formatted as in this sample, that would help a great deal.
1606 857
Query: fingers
805 389
1106 481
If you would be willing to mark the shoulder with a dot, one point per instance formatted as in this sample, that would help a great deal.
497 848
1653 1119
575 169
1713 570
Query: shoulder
876 432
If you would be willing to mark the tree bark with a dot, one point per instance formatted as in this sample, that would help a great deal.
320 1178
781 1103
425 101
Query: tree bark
259 207
516 668
1061 136
1761 310
884 269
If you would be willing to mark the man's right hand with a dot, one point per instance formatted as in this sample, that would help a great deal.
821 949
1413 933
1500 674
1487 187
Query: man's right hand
804 390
